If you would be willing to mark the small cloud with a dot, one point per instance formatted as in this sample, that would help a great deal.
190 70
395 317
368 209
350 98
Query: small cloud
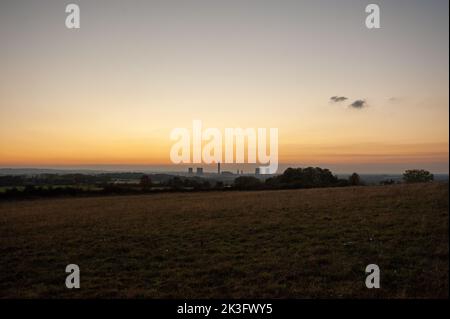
394 99
338 98
358 104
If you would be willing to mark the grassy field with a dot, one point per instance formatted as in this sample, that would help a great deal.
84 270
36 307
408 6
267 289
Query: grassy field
311 243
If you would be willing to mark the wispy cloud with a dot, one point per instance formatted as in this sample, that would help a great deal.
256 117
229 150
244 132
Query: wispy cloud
338 98
394 99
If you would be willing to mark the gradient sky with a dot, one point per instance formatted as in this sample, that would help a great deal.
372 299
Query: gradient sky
111 92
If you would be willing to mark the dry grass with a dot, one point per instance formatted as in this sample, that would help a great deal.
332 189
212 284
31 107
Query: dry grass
274 244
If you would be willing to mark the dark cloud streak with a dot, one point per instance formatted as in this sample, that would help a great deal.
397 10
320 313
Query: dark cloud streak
338 98
358 104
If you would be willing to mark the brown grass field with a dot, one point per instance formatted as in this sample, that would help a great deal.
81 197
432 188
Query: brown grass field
311 243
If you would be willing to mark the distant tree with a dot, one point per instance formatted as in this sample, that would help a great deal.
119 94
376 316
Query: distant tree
417 176
247 183
387 182
30 189
206 185
176 183
219 185
354 179
12 180
11 192
145 182
303 178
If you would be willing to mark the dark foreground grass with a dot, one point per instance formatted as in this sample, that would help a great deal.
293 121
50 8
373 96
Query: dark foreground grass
267 244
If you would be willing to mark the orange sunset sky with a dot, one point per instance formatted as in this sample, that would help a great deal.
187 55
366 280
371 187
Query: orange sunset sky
111 91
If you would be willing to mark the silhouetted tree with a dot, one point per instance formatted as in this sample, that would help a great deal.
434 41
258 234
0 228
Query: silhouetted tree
303 178
176 183
354 179
206 185
247 183
145 182
417 176
219 185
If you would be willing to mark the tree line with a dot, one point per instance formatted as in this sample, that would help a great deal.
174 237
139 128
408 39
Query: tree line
51 185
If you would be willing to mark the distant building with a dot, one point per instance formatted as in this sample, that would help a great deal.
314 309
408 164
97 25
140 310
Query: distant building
190 170
199 170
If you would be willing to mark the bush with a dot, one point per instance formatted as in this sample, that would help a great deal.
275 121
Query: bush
145 182
303 178
219 185
417 176
247 183
354 179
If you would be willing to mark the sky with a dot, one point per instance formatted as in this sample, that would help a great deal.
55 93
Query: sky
112 91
